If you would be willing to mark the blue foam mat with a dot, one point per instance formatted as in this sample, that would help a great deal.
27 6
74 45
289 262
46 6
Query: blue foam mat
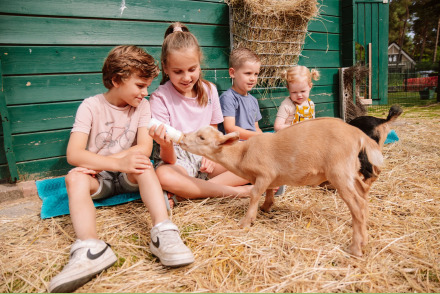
53 193
391 137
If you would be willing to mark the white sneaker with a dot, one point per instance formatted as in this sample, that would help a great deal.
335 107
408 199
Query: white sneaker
167 245
87 259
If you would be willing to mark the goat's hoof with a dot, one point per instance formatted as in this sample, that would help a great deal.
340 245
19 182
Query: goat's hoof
245 223
266 208
355 251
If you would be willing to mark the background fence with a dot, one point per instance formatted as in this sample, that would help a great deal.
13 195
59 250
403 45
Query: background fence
410 89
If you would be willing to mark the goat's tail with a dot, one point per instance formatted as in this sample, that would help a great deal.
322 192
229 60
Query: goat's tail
394 113
370 157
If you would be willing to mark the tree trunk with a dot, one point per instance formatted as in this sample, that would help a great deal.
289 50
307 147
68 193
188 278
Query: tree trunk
436 44
438 81
402 37
424 36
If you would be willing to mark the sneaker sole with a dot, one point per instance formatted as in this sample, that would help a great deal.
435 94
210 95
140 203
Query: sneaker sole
172 262
72 285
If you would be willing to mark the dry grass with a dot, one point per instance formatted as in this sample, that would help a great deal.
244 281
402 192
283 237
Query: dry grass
298 247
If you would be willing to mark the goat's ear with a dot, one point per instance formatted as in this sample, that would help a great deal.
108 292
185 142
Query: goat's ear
229 139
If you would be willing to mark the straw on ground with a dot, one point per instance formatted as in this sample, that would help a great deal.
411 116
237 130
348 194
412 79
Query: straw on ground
295 248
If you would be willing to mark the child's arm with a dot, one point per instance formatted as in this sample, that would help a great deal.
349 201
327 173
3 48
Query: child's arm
167 153
280 123
129 162
229 125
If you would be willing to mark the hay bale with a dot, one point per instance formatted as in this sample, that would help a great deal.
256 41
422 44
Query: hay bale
358 74
274 29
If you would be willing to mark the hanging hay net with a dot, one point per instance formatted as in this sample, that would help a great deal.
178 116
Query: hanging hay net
274 29
358 74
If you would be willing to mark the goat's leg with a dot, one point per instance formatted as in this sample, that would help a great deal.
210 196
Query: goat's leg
358 209
251 213
268 201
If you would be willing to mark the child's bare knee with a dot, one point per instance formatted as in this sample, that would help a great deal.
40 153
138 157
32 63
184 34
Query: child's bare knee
76 179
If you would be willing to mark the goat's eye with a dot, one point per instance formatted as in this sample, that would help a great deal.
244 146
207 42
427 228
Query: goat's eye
201 137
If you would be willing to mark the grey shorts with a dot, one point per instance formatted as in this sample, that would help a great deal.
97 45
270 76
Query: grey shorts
189 161
113 183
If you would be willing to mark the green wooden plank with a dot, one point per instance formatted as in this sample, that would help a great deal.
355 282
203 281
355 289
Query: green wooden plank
322 110
70 87
322 41
52 88
21 90
72 59
360 20
7 132
157 10
4 172
319 94
312 58
329 7
2 151
367 26
38 169
55 116
42 117
325 24
327 110
64 31
220 78
375 51
383 52
40 145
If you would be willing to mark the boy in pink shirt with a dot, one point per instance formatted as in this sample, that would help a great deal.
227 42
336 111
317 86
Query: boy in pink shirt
110 147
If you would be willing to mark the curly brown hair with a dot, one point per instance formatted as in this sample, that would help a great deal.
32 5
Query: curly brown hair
126 60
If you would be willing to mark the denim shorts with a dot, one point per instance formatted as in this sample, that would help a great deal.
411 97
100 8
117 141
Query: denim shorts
113 183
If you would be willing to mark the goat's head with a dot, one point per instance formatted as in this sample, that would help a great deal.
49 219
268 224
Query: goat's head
207 141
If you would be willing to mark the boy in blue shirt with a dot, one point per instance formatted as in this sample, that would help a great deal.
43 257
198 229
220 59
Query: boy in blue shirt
240 109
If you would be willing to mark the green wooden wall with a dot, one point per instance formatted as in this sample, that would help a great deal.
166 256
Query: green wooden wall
51 53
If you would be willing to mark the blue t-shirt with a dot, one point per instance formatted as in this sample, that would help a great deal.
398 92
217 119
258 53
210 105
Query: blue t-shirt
245 109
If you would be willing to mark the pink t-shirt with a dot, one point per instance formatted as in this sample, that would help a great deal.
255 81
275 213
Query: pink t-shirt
183 113
111 129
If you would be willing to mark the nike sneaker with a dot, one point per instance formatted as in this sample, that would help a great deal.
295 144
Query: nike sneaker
167 245
87 259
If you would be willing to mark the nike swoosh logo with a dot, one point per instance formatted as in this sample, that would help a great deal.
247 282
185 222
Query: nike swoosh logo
92 256
157 243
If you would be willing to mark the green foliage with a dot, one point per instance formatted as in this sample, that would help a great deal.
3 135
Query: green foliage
427 65
414 26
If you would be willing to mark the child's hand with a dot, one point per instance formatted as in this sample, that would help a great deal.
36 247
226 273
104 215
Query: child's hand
159 135
134 163
84 170
207 166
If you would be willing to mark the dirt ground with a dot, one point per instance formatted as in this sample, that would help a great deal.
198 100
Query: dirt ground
298 247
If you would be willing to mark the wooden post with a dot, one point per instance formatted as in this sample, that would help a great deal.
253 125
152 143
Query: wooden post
438 82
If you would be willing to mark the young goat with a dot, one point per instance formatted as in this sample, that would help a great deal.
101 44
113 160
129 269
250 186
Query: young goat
375 127
308 153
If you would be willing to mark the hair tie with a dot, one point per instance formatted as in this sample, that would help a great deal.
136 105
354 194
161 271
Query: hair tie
177 29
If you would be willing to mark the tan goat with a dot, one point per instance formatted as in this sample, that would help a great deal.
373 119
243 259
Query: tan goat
308 153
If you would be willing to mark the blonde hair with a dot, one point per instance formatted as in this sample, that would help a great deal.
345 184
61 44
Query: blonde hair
239 56
123 61
295 73
177 37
